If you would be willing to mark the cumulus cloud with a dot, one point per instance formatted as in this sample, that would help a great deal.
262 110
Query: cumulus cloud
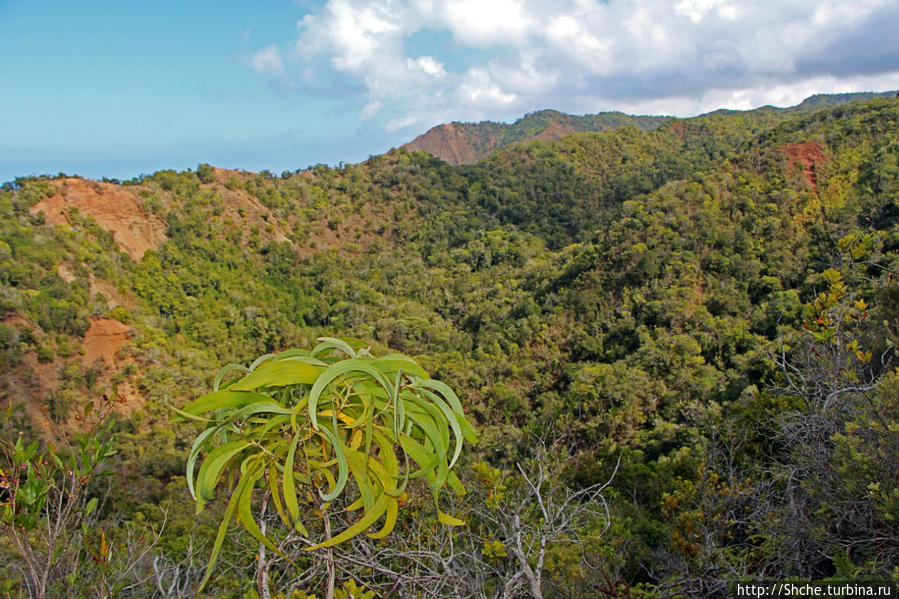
479 23
419 62
427 64
698 9
268 62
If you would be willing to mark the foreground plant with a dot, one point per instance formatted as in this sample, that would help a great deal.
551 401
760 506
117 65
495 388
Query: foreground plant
306 423
48 511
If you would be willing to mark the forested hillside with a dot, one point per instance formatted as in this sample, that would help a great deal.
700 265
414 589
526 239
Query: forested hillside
467 143
702 312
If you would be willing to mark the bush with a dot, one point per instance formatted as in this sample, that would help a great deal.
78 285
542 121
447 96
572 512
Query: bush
205 173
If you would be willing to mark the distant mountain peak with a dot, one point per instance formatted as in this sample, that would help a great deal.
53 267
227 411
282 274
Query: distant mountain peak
466 143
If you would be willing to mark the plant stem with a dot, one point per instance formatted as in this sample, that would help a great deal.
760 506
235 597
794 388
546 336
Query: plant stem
262 564
329 559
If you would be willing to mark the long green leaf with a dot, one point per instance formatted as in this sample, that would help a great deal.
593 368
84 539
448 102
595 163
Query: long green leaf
280 373
392 509
269 406
222 532
198 445
389 519
359 470
395 362
426 460
212 468
432 434
391 465
290 490
359 527
399 416
386 479
422 407
342 466
451 419
274 486
225 370
218 400
335 370
327 343
453 400
245 513
288 353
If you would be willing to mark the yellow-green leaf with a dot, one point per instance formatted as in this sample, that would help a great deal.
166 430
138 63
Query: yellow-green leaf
291 371
360 526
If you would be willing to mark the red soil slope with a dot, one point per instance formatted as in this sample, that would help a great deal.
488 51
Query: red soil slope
804 157
447 142
116 209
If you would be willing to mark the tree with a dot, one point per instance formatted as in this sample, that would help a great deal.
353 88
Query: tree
306 423
801 479
205 173
523 528
50 509
835 493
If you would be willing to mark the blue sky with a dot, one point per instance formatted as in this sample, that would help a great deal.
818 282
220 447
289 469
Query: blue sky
118 88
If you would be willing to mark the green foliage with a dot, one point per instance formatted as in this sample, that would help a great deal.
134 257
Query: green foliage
494 550
33 474
205 173
48 504
351 591
627 293
306 421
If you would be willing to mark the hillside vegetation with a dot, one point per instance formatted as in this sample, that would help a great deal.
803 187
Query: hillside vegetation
467 143
702 311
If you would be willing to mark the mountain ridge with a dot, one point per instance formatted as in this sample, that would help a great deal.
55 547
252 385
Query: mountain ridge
626 292
466 143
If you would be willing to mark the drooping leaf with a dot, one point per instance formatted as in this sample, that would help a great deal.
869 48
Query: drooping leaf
342 466
198 445
393 363
290 491
334 371
220 375
219 400
278 373
360 526
244 511
451 419
274 486
212 467
359 469
222 532
390 518
426 460
329 343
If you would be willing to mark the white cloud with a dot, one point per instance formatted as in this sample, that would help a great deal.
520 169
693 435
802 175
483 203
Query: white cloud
505 57
698 9
479 89
268 62
370 109
427 65
481 23
763 95
402 123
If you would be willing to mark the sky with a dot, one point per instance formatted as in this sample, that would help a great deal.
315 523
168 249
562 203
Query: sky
117 88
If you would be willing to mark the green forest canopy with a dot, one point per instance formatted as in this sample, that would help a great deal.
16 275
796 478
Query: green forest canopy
710 304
